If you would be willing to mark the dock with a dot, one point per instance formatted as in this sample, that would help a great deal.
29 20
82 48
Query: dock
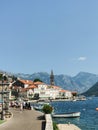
68 127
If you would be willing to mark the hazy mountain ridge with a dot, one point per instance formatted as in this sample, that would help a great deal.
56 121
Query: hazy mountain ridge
81 82
93 91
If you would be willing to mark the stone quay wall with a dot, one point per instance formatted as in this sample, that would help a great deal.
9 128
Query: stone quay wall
49 123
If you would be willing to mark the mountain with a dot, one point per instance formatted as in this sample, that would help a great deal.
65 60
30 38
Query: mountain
93 91
85 80
81 82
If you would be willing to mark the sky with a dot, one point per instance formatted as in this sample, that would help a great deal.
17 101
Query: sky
44 35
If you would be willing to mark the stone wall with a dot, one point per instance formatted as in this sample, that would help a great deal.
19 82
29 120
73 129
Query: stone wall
49 123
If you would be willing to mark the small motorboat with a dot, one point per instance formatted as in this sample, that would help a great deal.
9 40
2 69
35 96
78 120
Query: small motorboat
71 114
43 103
38 107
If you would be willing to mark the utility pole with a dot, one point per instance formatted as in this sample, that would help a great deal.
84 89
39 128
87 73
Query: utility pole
4 96
2 113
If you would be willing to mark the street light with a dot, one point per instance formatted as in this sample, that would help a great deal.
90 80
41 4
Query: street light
2 113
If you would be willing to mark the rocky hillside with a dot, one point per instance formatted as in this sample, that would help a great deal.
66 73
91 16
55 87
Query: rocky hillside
93 91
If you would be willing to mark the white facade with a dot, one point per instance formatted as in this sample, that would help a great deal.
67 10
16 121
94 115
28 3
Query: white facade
46 91
41 90
65 94
26 85
30 93
54 93
68 94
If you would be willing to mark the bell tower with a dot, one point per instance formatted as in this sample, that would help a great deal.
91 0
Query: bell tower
51 78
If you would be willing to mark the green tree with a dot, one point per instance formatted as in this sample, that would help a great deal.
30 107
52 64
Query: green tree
1 76
47 109
14 78
36 80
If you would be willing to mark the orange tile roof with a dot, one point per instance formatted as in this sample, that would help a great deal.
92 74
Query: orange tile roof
31 87
62 90
74 92
23 90
26 81
20 89
56 87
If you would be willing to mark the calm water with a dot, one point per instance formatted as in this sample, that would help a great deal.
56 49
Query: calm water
89 116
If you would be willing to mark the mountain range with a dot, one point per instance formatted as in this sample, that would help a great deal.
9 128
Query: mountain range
93 91
80 83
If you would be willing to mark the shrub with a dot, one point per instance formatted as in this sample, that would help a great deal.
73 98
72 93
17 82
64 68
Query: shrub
47 109
55 126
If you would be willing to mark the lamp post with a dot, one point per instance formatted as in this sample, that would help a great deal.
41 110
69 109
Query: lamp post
2 113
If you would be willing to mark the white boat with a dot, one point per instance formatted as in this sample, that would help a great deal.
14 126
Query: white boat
72 114
38 107
43 103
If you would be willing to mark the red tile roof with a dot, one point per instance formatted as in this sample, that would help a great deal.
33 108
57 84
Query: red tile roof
31 87
62 90
56 87
26 81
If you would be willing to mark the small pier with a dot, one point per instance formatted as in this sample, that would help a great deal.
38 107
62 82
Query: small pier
68 127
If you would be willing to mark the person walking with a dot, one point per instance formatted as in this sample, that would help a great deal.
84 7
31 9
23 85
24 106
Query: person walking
21 106
24 105
29 106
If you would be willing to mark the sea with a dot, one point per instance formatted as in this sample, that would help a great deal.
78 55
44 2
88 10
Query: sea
88 119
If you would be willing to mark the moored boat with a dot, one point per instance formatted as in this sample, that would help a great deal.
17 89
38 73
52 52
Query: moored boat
72 114
38 107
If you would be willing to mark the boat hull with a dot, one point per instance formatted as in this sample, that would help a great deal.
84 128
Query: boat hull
38 107
73 114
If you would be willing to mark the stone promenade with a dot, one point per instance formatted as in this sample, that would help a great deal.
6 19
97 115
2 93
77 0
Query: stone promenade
68 127
24 120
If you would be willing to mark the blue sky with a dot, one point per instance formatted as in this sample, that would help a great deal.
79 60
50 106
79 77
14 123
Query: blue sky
45 35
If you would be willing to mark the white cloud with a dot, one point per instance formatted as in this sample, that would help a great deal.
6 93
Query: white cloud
82 58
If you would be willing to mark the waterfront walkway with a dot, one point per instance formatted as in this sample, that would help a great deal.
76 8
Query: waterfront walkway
68 127
24 120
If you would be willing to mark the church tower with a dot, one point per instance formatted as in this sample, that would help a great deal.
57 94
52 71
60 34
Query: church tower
51 78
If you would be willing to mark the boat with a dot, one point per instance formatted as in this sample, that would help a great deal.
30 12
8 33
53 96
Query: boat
43 103
81 98
71 114
38 107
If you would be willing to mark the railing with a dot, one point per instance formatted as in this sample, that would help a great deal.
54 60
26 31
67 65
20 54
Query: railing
49 123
